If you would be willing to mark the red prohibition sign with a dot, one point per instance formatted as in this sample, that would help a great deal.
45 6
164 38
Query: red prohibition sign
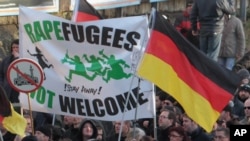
25 75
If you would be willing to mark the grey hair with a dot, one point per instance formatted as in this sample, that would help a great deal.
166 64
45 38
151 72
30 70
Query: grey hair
135 133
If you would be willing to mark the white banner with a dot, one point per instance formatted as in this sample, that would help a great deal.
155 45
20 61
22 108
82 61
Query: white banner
88 67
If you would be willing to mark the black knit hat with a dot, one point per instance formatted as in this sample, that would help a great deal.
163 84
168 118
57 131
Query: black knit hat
245 87
30 138
243 73
45 130
189 3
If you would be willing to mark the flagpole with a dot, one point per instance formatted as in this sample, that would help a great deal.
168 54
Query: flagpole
31 117
125 107
136 108
75 10
152 20
155 118
1 136
54 119
126 103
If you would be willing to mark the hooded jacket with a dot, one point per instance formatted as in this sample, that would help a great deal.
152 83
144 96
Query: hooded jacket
79 134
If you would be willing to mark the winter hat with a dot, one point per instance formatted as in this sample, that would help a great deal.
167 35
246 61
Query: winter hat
29 138
245 87
243 73
189 3
45 130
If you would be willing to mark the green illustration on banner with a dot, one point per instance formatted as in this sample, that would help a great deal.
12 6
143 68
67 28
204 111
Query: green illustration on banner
108 67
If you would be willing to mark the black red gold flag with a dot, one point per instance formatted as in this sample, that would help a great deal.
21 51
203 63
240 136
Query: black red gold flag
198 83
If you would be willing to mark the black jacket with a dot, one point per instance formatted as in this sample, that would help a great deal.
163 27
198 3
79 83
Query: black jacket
199 135
115 137
11 93
210 15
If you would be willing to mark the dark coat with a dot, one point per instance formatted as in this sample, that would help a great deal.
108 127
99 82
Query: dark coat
233 38
210 15
115 137
199 135
162 134
79 136
11 93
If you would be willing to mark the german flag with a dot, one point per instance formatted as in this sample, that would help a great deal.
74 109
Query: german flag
9 118
197 82
5 109
85 12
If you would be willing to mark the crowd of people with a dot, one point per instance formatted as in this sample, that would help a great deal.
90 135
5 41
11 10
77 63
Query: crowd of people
213 28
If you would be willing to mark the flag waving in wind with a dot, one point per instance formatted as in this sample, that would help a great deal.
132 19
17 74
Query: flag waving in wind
85 12
5 109
198 83
9 118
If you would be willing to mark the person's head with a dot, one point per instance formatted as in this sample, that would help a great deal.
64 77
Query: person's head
68 120
169 101
157 101
15 45
146 138
189 6
77 121
163 96
177 134
166 119
88 130
100 133
188 124
135 134
244 75
222 134
226 113
247 108
43 133
244 92
125 128
28 129
29 138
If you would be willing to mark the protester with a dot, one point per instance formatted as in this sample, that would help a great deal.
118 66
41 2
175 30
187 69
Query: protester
166 120
210 14
135 134
244 75
242 94
227 118
29 138
178 134
243 63
222 134
147 138
73 130
87 131
43 133
67 122
12 94
100 133
193 130
7 136
233 42
183 25
246 119
125 129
